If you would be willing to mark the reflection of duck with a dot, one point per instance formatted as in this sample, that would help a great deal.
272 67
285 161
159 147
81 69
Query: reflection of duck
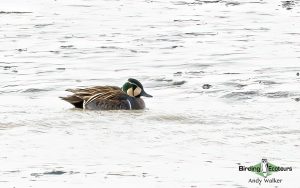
109 97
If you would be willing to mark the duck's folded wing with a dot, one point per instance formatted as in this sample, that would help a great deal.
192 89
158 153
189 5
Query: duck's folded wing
107 99
87 95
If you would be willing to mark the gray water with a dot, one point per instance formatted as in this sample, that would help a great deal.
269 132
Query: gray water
189 135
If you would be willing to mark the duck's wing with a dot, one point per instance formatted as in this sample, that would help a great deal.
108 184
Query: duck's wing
110 98
83 96
86 93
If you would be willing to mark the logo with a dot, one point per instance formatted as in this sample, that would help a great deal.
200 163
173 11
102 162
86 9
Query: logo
264 169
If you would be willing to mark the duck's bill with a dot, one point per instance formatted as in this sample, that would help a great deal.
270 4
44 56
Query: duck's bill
145 94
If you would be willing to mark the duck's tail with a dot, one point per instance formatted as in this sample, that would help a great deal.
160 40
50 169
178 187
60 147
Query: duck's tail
74 100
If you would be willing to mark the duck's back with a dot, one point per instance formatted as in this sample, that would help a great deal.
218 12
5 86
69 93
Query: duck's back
103 98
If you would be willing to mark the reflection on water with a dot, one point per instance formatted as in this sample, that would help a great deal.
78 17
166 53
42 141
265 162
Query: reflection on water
288 4
224 76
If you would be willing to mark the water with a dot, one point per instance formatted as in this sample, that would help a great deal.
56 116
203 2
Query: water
190 135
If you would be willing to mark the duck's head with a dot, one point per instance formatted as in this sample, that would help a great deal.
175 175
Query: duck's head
134 88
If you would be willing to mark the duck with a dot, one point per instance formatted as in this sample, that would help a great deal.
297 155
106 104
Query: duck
128 97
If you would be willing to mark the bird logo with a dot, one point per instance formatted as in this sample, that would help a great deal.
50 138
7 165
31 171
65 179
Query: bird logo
264 168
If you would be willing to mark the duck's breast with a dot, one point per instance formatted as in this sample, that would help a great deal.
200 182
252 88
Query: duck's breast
136 103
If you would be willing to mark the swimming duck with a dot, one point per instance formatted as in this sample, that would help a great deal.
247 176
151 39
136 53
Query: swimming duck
128 97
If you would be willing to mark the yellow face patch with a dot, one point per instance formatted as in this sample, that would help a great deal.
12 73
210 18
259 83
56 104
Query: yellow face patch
130 92
137 91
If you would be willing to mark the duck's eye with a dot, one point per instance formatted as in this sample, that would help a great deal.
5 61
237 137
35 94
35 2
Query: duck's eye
137 91
130 92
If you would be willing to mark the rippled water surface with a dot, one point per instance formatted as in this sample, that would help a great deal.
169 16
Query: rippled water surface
224 76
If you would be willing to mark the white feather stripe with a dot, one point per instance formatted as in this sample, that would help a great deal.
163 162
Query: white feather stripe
129 104
92 98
